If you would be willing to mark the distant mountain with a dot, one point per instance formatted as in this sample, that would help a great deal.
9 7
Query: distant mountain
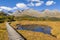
6 11
29 12
51 13
35 13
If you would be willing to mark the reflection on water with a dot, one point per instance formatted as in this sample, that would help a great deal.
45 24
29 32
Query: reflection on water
36 28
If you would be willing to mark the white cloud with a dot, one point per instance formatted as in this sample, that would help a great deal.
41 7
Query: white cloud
48 3
39 3
14 8
21 5
5 8
31 4
33 0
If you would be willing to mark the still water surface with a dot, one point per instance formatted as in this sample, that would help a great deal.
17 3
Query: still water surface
35 28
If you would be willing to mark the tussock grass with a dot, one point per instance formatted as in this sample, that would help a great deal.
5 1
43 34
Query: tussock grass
55 25
30 35
33 35
3 32
3 35
2 26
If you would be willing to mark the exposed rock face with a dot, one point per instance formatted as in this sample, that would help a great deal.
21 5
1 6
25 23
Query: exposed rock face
31 12
51 13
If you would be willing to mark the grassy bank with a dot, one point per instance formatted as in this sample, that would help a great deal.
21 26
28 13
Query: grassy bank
55 25
3 35
29 35
3 32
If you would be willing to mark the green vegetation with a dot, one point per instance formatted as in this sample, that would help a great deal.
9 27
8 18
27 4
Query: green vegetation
26 17
10 18
4 17
30 18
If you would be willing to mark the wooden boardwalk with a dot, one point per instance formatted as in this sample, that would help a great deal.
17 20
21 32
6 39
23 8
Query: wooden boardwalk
12 34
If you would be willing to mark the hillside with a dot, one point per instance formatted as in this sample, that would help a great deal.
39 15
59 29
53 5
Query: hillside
31 15
5 17
31 12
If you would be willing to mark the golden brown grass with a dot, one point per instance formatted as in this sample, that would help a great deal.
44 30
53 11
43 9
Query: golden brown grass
2 26
33 35
3 32
29 35
55 25
3 35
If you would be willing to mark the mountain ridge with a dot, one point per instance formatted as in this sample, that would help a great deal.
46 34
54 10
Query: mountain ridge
35 13
31 12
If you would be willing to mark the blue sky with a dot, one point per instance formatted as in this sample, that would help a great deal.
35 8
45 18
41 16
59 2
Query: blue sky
26 4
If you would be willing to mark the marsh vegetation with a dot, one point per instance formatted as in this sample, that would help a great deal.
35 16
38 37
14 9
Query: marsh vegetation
34 32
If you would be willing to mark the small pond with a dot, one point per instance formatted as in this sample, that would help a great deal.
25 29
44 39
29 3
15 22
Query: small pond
37 28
